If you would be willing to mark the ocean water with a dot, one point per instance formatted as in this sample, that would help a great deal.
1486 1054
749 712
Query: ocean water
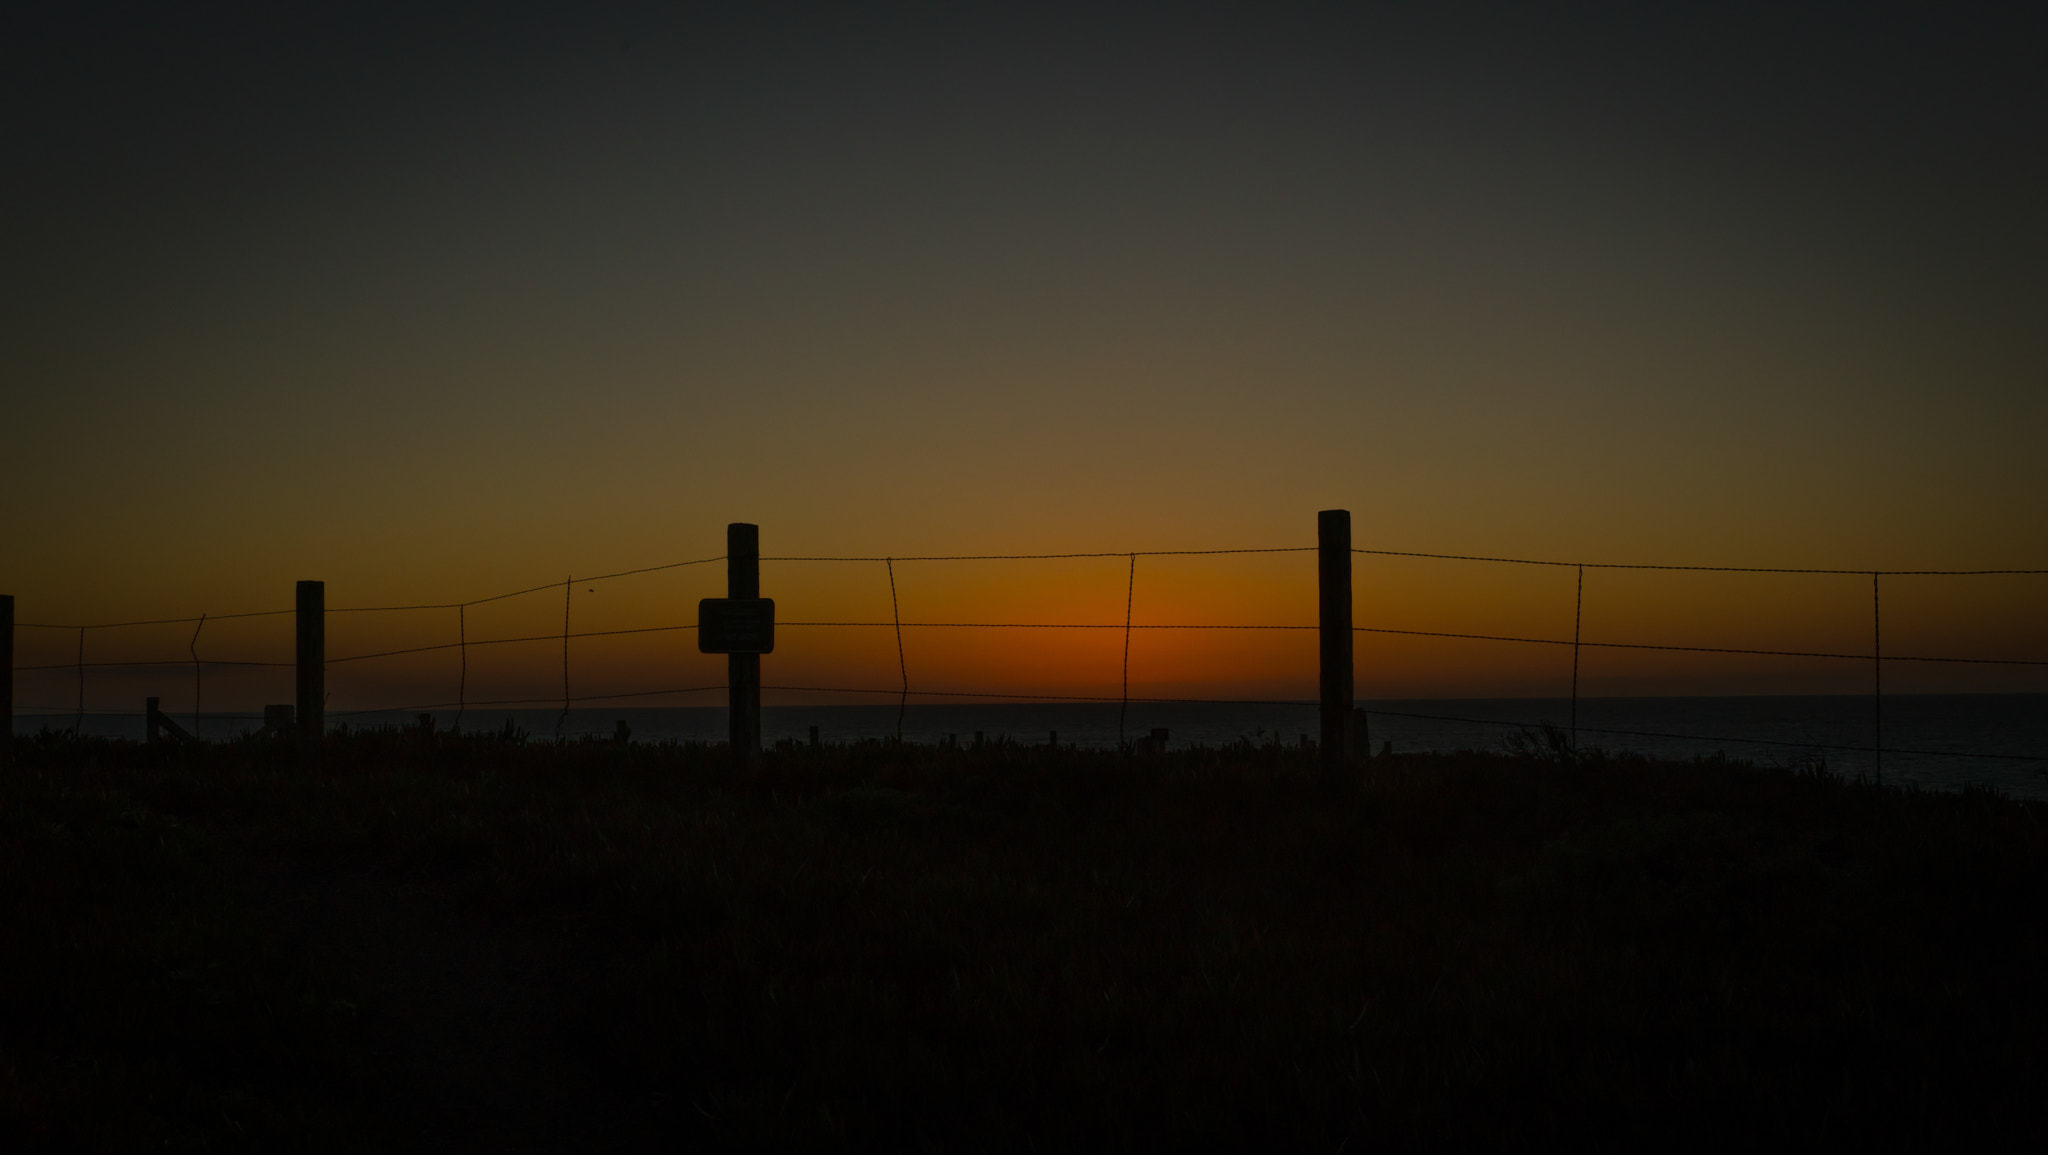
1938 741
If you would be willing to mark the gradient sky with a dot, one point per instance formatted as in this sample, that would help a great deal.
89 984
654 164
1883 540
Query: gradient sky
438 301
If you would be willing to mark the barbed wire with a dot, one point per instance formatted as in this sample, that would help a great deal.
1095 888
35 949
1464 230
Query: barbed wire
1578 621
508 641
902 663
462 676
369 609
1104 698
1705 568
1050 626
149 621
904 690
61 711
1870 657
192 647
555 637
1130 593
568 590
153 662
1057 556
1046 557
563 584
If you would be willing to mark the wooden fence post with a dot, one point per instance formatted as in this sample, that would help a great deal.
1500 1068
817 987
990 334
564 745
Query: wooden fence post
743 671
312 621
7 680
1333 581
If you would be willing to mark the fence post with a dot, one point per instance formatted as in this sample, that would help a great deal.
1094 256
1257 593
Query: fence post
743 671
1333 582
312 622
7 680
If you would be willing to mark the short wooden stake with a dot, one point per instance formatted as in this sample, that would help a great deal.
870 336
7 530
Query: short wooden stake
1333 582
156 724
312 622
277 720
743 671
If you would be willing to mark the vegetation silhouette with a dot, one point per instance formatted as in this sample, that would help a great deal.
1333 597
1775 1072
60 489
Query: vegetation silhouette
414 937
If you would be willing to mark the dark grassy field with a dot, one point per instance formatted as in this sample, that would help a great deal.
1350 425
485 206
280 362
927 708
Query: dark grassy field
421 940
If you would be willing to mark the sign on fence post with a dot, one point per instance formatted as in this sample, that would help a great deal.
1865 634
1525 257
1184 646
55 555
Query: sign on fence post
312 621
1333 582
7 680
743 668
736 626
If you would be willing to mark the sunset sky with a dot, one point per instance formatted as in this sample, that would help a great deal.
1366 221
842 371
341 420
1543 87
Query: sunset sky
434 302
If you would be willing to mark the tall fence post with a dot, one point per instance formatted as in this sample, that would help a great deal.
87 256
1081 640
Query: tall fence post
312 622
7 680
743 671
1333 581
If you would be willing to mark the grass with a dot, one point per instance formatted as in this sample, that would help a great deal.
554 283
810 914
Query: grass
410 939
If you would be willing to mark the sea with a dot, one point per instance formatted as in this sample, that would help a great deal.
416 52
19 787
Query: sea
1934 741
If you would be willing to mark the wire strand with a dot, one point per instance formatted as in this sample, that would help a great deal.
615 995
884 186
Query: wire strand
522 592
503 642
148 622
902 663
1704 649
568 591
1876 657
1703 568
1080 626
1044 626
152 662
462 676
1130 593
192 647
1049 697
1578 619
1058 556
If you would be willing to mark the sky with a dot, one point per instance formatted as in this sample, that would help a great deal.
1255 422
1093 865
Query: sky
434 302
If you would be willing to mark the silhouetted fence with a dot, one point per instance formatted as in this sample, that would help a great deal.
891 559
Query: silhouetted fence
1335 626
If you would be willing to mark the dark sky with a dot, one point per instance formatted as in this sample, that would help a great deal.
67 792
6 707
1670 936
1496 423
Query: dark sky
1738 283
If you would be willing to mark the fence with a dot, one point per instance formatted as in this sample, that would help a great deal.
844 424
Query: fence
1335 628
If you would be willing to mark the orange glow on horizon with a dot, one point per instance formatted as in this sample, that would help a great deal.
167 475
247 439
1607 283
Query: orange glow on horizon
836 633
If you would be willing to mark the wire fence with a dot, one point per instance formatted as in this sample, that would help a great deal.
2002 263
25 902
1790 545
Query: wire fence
82 662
